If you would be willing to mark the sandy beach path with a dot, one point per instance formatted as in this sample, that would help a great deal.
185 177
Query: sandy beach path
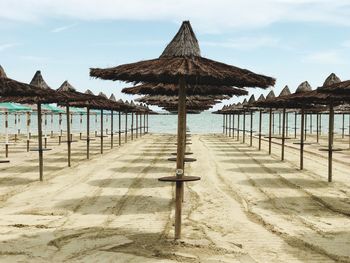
248 207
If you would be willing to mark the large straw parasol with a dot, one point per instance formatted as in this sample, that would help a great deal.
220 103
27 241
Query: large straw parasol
181 63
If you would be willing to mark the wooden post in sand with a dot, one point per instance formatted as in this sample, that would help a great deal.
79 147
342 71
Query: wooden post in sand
181 131
243 126
279 123
80 126
238 124
260 125
126 127
141 124
229 125
88 133
40 143
233 125
15 126
137 125
101 135
60 128
343 127
96 124
119 128
68 134
6 135
330 140
147 122
223 123
287 126
317 127
144 123
51 124
310 132
45 130
295 125
28 130
132 125
305 127
251 128
283 132
112 132
270 130
302 121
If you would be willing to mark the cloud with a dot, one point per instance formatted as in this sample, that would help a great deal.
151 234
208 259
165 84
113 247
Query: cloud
62 28
7 45
325 57
208 16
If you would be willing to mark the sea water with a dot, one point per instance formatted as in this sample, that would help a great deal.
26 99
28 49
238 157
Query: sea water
206 122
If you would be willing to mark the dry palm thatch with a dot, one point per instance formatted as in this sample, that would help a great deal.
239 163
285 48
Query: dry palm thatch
174 99
13 88
173 89
185 62
335 86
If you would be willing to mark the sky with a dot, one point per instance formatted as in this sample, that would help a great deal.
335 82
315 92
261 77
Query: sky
290 40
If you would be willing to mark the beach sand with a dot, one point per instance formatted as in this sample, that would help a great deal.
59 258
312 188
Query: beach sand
248 207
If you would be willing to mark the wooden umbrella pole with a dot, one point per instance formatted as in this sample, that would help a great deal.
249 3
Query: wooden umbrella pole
137 124
144 123
6 135
305 127
68 134
16 127
310 123
349 129
330 140
233 126
112 132
270 130
223 123
302 121
343 127
80 125
88 133
132 126
226 128
260 125
101 125
60 127
181 130
317 127
287 126
40 143
126 127
28 130
279 123
243 126
251 128
96 125
283 132
295 125
229 125
147 122
45 138
238 124
140 125
119 128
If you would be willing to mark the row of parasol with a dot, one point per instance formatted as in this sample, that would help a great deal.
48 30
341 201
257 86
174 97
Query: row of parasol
38 92
330 98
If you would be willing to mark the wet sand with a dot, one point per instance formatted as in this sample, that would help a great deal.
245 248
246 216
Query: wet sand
248 207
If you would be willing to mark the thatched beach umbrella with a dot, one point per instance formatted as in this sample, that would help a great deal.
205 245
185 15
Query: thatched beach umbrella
182 64
41 93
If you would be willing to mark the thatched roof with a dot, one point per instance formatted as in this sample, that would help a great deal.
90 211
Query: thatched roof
173 89
40 93
14 88
303 87
335 86
112 97
181 58
184 43
331 79
285 91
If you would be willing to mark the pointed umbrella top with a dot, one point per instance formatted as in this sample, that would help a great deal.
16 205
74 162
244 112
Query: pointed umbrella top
112 97
2 73
66 86
184 44
285 91
89 92
101 94
271 95
251 99
121 101
261 98
331 79
303 87
38 81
